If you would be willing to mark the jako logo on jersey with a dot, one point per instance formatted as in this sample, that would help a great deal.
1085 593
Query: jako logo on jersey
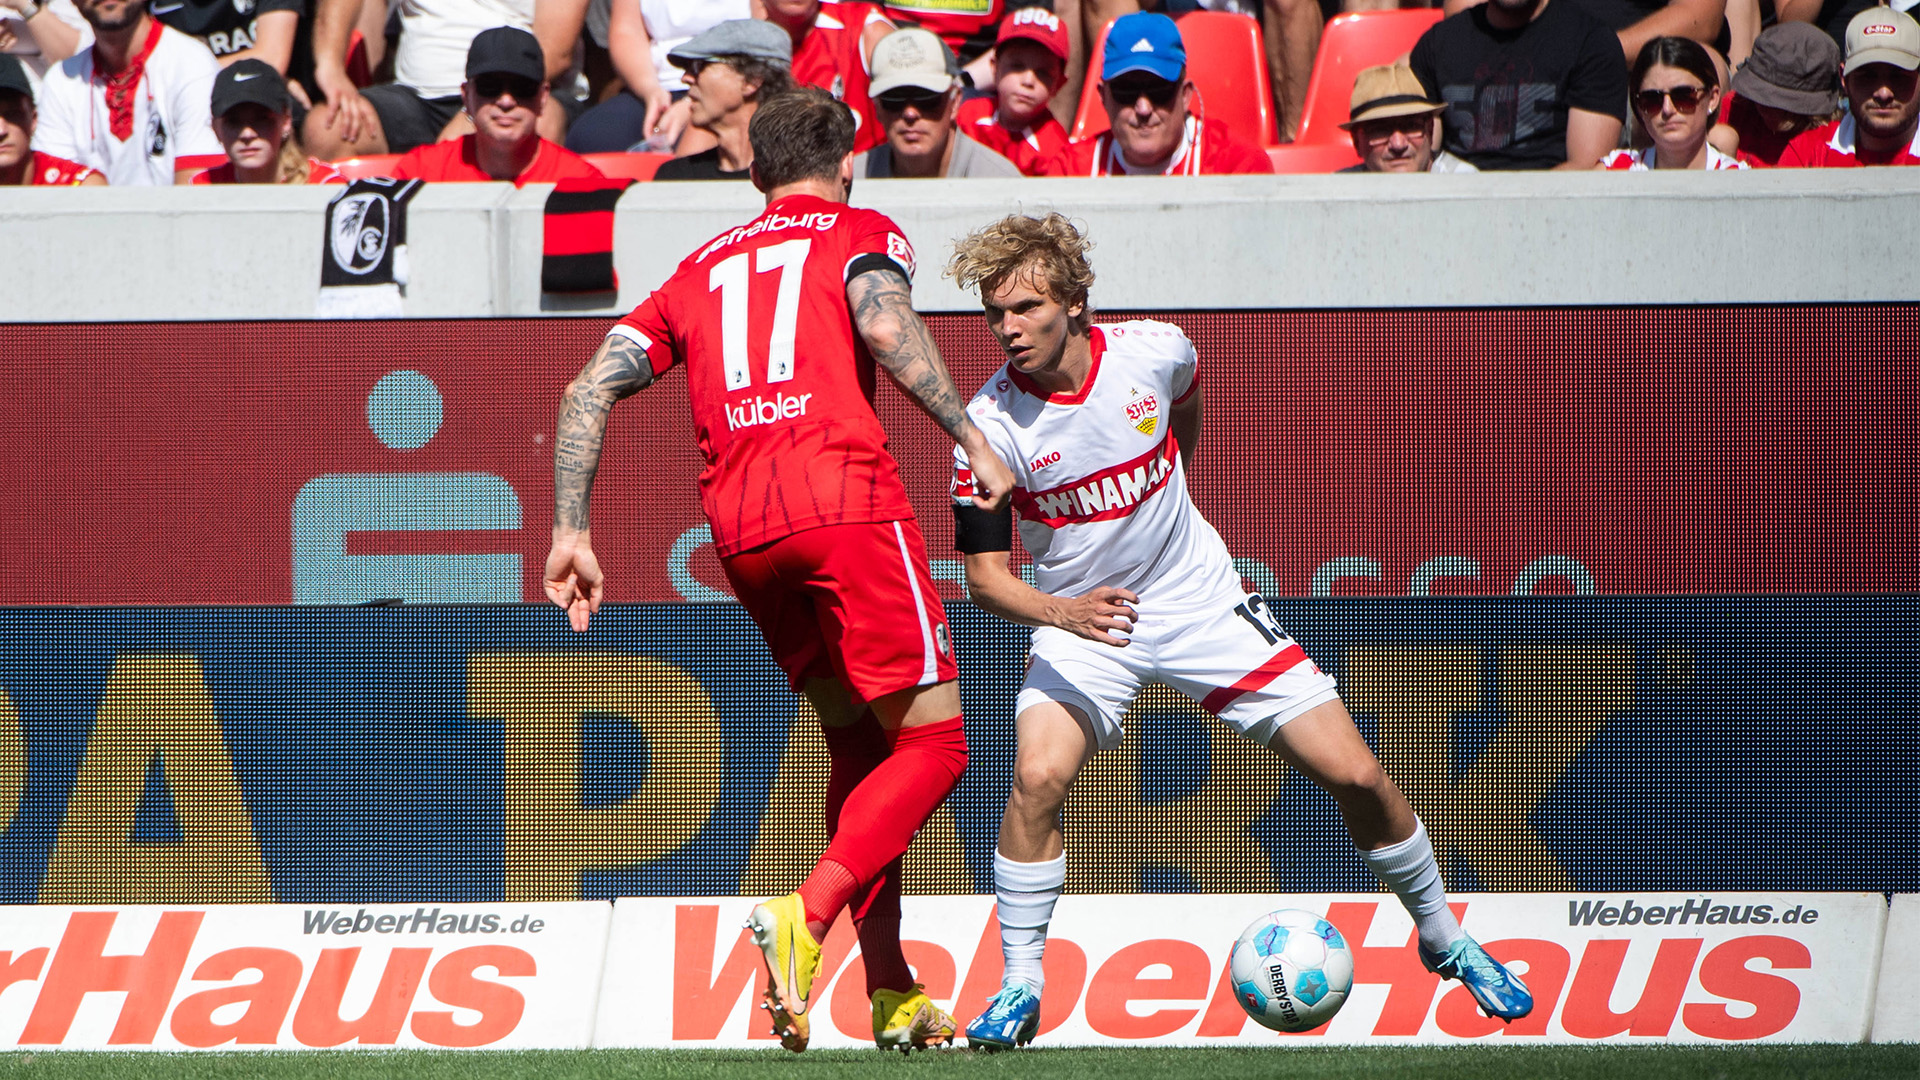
759 410
1144 413
1053 458
818 221
1108 494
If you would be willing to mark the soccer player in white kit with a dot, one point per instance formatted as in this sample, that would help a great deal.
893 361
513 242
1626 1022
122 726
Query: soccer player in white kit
1099 425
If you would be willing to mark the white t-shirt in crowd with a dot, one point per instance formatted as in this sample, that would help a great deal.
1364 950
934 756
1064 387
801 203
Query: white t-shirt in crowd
172 114
28 50
435 34
672 23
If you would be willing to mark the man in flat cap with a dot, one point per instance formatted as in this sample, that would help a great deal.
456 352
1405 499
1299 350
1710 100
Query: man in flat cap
1395 126
730 71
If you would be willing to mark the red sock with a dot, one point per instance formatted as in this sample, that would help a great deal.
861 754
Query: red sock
883 811
876 916
853 752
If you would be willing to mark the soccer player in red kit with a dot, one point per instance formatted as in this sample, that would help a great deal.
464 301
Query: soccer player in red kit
779 323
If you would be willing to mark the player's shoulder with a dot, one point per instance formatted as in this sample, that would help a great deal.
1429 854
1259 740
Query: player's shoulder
1145 336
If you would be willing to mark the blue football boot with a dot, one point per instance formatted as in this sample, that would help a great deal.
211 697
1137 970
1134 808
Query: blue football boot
1499 991
1012 1019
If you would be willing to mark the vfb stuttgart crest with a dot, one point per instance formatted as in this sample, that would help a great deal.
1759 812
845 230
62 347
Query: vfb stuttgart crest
1143 412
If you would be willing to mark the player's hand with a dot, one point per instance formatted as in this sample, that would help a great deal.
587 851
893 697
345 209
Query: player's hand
1099 615
573 580
992 480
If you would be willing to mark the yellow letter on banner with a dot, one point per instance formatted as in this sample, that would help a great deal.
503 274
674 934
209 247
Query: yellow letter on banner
1206 835
1553 700
156 702
13 761
793 829
551 838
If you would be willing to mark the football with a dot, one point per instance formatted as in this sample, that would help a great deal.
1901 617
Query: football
1291 970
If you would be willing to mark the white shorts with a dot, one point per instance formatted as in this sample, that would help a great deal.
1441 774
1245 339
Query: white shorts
1228 656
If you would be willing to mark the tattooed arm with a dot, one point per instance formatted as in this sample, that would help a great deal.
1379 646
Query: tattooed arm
883 312
618 369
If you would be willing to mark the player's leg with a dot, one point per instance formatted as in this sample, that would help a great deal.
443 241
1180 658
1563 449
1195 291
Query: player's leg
1323 744
879 620
1070 705
1054 741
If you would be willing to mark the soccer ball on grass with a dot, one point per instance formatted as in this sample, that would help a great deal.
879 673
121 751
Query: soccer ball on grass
1291 970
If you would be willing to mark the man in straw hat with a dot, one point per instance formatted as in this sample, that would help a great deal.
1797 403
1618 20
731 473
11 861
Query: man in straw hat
1395 126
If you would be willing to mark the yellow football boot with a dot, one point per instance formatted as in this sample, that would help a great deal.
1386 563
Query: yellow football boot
909 1021
793 959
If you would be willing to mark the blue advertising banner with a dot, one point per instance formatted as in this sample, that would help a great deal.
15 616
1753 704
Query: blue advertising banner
485 753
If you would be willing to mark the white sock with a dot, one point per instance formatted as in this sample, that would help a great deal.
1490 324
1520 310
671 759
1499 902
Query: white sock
1026 893
1409 869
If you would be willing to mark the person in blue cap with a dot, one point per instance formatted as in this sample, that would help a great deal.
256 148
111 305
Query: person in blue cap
1156 128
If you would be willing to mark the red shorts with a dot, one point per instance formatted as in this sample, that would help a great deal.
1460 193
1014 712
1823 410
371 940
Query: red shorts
852 602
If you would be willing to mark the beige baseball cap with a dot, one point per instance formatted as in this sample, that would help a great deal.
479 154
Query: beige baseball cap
911 56
1388 90
1881 35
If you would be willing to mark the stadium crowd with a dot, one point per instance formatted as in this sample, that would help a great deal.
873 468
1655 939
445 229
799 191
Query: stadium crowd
294 91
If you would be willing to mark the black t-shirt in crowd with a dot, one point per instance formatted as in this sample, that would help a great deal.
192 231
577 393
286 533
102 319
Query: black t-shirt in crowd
704 165
225 25
1507 92
1617 14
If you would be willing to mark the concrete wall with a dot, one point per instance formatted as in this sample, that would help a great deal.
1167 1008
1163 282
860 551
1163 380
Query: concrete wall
1222 242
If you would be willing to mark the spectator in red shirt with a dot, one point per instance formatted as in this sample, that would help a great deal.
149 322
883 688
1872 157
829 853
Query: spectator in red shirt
505 90
833 50
1144 86
19 164
1029 68
1882 78
1790 84
253 116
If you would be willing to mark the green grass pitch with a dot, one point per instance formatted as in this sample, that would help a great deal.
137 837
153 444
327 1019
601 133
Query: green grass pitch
1294 1063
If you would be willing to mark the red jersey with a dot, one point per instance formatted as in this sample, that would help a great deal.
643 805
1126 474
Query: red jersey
454 160
779 381
318 172
831 58
1029 148
1206 149
1832 147
50 171
1759 143
967 26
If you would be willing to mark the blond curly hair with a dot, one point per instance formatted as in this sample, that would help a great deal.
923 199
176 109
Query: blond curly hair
1051 248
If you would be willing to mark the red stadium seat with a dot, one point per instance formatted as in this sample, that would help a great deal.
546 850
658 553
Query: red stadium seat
1227 61
627 166
1350 43
1312 157
359 168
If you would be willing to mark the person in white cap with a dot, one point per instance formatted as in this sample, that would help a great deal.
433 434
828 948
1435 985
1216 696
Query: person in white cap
1395 126
916 94
1882 79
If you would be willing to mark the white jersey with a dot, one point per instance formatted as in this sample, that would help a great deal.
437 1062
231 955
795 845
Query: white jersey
672 23
172 115
431 58
1098 484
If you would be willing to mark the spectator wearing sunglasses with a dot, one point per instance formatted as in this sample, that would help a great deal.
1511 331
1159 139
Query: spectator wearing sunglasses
1882 79
1790 84
1154 132
1676 91
730 71
916 94
505 90
1528 84
1395 126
